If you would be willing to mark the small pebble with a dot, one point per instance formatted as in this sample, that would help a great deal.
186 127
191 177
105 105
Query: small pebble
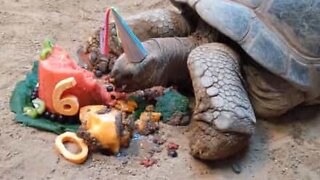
85 66
136 136
103 67
236 168
158 140
124 162
92 57
122 154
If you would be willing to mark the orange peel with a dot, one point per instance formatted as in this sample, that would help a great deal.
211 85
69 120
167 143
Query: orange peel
73 138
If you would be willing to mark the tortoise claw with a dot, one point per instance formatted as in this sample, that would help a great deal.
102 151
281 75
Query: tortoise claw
207 143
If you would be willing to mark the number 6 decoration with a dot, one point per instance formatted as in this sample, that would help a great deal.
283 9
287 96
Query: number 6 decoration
67 105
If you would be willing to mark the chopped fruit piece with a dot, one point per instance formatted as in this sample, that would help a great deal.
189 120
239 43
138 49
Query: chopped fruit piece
126 106
146 127
47 43
148 162
45 52
59 66
39 105
154 116
172 146
30 111
148 122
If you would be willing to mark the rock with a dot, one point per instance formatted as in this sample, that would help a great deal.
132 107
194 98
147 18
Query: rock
125 162
93 58
179 119
103 67
236 168
158 140
157 149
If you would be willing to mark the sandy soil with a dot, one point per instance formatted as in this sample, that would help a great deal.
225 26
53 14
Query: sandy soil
288 149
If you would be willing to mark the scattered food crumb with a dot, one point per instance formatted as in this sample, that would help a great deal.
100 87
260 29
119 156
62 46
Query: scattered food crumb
172 146
148 162
158 140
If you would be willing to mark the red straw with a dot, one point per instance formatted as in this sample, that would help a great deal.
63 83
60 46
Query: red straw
105 47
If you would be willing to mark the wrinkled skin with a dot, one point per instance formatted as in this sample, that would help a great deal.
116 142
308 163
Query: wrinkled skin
229 88
157 68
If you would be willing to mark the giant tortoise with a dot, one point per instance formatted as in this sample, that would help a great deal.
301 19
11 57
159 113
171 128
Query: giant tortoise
243 58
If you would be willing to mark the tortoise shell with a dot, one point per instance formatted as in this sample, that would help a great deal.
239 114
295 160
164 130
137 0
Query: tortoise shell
283 36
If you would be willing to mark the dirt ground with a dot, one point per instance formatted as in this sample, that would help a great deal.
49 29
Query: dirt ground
286 149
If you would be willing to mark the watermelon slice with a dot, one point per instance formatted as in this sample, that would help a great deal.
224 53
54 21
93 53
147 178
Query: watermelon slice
88 90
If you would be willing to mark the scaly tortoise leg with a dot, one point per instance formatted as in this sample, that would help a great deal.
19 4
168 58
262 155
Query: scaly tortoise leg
223 119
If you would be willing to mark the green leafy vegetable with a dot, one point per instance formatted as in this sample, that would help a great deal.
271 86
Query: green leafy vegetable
170 103
20 98
142 104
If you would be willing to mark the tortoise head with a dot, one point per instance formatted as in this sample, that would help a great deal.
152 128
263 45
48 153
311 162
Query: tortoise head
134 67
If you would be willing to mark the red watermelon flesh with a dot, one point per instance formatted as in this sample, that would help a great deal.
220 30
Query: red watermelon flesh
58 66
